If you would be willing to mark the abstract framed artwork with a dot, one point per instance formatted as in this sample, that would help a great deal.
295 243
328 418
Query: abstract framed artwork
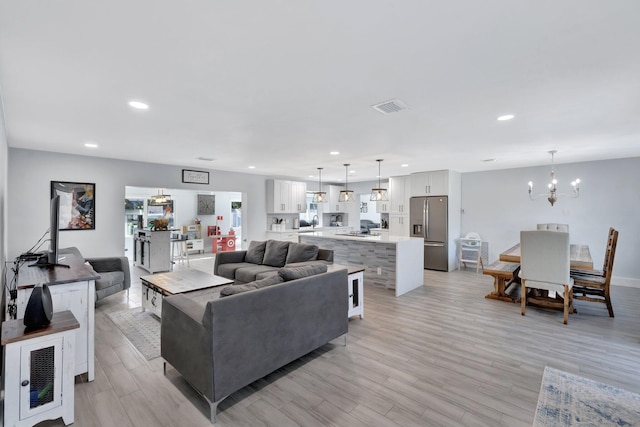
77 204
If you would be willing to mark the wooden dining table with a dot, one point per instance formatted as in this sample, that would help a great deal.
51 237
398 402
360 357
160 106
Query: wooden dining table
579 256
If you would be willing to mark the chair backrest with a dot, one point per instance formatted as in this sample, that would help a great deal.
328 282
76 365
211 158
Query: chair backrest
610 253
554 227
544 256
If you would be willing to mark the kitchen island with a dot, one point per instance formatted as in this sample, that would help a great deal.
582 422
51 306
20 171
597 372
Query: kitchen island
393 262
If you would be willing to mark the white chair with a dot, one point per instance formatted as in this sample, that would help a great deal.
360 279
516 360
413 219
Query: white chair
554 227
470 250
544 264
179 250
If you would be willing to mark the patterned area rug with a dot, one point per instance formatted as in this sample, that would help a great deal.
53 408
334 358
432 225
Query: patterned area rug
142 329
570 400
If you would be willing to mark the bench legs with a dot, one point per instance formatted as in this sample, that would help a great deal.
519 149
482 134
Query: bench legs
499 290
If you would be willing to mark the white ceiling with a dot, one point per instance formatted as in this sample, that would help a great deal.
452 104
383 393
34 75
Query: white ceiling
278 85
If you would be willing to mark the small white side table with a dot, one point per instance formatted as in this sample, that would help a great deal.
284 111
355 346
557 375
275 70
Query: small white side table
356 287
38 371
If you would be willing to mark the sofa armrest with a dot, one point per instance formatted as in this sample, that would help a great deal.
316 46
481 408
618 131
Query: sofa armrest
106 264
228 258
185 343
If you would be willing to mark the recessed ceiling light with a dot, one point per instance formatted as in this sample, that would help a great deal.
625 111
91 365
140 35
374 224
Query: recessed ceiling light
310 176
352 172
404 165
252 167
138 105
205 159
506 117
334 153
91 145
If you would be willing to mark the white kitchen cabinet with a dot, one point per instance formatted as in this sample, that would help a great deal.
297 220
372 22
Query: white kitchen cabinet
399 225
399 193
286 196
333 195
289 236
435 183
382 207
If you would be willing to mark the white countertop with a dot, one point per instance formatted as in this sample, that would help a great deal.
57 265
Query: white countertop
383 239
307 230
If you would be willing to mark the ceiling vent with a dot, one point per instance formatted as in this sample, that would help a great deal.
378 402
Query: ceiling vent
389 107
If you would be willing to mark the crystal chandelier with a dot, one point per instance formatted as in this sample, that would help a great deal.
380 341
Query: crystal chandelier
319 196
346 195
552 195
379 194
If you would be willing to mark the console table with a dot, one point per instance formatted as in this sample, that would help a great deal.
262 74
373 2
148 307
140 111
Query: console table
71 289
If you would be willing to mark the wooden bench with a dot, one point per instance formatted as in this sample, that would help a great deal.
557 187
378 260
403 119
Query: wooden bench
502 272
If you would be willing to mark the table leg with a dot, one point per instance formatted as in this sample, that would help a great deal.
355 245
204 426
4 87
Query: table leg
499 292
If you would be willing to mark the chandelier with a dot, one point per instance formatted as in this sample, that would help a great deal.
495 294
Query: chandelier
379 194
161 198
319 196
552 195
346 195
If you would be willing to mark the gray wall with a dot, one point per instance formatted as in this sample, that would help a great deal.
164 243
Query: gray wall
3 196
496 205
30 173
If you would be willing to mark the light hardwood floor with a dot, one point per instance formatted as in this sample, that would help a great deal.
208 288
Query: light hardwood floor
441 355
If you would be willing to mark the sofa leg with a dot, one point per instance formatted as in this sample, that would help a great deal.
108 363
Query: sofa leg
213 409
164 368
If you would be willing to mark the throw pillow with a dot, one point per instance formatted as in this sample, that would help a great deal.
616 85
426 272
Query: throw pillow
237 289
275 253
300 252
274 279
300 272
255 253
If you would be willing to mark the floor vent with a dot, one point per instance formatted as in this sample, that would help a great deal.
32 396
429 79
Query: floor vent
389 107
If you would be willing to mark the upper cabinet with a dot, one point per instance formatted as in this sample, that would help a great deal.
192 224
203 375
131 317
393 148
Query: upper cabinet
399 193
434 183
286 196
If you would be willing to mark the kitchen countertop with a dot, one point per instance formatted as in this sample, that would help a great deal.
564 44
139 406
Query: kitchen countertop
383 239
307 230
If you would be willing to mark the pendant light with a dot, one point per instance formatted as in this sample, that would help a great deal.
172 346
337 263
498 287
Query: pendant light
379 194
319 196
346 195
161 198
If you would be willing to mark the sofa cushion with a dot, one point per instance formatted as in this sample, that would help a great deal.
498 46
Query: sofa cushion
255 253
300 272
108 279
274 279
268 273
300 252
275 253
229 270
249 274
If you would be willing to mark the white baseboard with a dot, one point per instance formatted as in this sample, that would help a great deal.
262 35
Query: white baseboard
625 281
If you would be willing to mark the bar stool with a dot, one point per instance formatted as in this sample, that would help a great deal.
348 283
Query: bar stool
179 250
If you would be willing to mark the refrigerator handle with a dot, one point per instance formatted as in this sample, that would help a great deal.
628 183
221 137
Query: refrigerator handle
426 219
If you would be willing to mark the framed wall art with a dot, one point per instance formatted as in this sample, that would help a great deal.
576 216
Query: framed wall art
77 204
206 204
195 177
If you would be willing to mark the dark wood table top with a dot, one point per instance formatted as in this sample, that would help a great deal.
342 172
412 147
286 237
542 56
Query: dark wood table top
13 330
78 271
178 282
579 256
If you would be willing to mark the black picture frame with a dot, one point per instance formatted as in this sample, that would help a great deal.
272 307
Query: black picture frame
195 177
77 204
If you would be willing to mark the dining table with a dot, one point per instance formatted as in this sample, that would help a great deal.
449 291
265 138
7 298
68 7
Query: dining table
579 256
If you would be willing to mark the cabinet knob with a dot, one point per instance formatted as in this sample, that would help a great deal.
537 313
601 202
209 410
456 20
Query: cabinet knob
25 383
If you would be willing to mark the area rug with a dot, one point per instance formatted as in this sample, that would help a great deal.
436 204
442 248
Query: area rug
570 400
141 328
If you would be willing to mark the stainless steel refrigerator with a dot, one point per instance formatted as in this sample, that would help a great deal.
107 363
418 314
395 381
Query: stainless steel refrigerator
428 219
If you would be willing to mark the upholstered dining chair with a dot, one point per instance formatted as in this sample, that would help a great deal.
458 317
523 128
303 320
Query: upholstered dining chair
554 227
594 285
470 250
544 264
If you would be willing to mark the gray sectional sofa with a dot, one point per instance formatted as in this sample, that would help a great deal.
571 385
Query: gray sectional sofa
263 259
227 343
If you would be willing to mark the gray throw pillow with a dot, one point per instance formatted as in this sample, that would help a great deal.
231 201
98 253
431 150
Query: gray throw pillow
275 253
300 252
255 253
237 289
262 283
300 272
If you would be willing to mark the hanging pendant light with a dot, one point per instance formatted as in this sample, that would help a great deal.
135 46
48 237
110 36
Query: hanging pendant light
161 198
552 195
379 194
346 195
319 196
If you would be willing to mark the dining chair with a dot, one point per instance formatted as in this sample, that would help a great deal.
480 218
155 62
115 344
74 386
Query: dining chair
593 287
554 227
544 264
605 264
470 250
